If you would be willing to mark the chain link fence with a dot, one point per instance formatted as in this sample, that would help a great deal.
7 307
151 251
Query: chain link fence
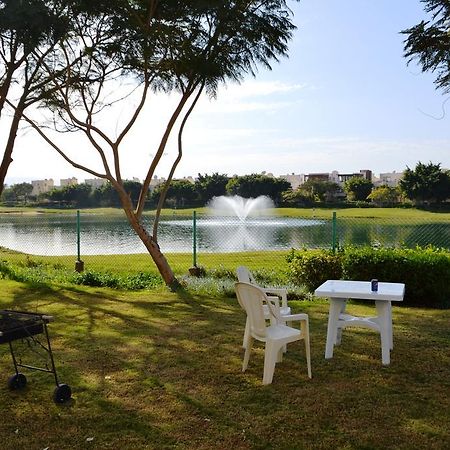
99 235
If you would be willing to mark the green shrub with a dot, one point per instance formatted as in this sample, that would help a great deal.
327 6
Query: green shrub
424 271
311 268
96 279
117 281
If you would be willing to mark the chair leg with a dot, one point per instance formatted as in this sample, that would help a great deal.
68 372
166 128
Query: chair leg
248 350
246 333
270 356
280 353
305 326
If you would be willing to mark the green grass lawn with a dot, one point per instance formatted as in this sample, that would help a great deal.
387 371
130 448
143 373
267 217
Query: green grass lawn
157 370
320 213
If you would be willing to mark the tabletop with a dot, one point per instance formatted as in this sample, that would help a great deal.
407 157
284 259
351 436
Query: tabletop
360 290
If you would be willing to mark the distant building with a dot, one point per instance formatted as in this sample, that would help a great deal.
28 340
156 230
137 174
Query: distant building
41 186
155 181
317 177
294 180
68 182
95 183
389 179
366 174
190 179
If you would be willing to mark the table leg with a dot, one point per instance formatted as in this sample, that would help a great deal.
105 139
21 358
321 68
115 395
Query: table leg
336 305
338 337
391 332
384 318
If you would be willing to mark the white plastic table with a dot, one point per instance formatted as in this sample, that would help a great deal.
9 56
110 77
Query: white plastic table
339 291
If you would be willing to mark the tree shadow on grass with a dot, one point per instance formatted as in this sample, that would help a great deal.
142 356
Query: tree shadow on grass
165 370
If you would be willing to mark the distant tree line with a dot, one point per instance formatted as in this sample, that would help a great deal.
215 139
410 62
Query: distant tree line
427 184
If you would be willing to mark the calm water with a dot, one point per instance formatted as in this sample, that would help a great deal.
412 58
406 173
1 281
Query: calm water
57 235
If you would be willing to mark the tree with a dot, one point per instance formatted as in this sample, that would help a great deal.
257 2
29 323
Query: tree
22 191
171 46
107 196
29 32
358 188
254 185
209 186
384 196
297 198
181 194
429 42
319 190
427 183
76 196
17 192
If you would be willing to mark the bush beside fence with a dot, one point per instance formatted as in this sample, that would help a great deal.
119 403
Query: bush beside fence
425 271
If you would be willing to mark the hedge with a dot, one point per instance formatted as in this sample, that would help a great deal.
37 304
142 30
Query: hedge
425 271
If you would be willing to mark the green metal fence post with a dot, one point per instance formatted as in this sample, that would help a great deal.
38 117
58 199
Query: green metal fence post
79 265
194 270
333 228
194 238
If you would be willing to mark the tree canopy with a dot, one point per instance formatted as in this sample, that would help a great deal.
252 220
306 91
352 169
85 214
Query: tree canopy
428 42
426 183
358 188
181 47
252 186
209 186
29 33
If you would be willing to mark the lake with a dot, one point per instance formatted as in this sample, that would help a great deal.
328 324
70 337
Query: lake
56 234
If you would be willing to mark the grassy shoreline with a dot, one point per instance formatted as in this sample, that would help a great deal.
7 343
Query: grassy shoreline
370 213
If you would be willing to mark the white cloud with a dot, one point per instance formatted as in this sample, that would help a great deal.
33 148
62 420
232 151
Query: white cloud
251 96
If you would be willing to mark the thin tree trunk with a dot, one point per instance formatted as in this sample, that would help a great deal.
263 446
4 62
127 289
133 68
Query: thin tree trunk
7 155
155 252
150 244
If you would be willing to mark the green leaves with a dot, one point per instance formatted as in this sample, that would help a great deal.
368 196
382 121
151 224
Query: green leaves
425 271
426 183
428 42
358 188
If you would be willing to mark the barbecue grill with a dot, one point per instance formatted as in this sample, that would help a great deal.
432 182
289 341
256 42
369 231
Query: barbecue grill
25 326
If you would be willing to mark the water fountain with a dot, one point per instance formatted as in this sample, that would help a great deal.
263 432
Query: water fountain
241 223
240 207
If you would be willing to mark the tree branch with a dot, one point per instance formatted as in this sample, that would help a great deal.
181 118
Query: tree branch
163 194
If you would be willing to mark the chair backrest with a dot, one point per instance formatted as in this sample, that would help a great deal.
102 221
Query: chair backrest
252 299
244 275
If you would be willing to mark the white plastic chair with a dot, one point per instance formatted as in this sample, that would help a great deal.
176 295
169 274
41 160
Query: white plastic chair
276 335
245 276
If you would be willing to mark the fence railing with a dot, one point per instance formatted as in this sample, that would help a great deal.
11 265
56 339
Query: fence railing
76 236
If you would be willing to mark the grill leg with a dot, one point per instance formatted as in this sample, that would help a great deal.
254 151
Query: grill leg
13 356
51 354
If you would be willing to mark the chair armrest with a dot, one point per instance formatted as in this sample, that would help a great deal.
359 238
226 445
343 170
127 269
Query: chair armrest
294 317
280 292
273 303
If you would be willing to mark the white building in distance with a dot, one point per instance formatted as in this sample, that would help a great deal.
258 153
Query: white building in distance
68 182
95 183
295 180
389 179
155 181
41 186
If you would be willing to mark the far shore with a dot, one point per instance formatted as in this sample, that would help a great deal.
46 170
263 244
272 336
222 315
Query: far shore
368 213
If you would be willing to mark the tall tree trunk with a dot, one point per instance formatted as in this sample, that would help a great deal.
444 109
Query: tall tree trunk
150 244
7 155
155 252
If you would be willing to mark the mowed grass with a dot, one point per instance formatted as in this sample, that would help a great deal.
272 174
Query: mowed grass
408 214
157 370
179 262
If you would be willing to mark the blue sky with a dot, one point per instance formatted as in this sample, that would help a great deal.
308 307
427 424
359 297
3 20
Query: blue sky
344 100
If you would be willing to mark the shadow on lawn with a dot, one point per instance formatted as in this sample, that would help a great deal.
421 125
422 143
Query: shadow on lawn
165 370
